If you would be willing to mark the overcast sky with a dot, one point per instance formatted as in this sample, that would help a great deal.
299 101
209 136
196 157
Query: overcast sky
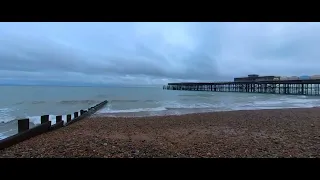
155 53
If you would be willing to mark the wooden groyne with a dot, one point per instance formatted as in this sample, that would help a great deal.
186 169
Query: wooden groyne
309 87
25 133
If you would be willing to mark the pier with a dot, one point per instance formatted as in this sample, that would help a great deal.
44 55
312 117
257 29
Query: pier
255 84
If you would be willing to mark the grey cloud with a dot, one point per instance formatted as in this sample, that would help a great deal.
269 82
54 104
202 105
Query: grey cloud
131 53
52 58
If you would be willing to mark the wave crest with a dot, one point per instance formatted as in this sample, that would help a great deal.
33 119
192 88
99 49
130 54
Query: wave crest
133 100
79 102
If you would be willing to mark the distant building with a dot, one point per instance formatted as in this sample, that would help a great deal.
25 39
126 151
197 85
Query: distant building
305 77
256 77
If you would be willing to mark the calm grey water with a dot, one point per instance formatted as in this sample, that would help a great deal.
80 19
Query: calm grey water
34 101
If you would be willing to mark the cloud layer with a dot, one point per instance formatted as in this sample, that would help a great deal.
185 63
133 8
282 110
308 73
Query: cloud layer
155 53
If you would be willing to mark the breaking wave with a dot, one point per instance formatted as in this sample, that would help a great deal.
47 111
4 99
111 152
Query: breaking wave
32 102
184 105
38 102
196 95
79 102
133 100
123 101
106 110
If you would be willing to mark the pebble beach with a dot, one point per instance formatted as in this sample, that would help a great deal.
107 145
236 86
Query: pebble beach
232 134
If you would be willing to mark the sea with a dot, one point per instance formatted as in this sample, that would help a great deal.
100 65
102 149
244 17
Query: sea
31 102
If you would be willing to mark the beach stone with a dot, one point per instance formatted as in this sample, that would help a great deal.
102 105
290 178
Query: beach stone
136 152
276 142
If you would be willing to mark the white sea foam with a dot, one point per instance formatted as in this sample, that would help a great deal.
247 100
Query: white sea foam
2 136
107 110
5 115
254 102
259 103
37 119
163 106
176 105
6 133
33 119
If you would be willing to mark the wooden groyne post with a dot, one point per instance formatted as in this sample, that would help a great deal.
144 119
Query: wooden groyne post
68 117
44 118
59 123
76 114
81 112
23 125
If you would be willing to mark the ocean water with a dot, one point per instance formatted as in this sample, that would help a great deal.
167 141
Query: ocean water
33 101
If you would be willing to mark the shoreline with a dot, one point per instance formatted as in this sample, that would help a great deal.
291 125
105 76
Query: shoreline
146 113
289 132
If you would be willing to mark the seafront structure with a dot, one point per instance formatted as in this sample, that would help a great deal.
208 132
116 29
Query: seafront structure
253 83
24 132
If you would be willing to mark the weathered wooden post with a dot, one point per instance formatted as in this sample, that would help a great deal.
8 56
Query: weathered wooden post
76 114
44 118
23 125
81 112
58 119
68 117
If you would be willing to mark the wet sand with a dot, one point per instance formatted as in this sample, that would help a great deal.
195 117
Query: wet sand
248 133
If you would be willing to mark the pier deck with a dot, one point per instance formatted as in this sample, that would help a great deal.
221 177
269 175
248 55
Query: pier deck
310 87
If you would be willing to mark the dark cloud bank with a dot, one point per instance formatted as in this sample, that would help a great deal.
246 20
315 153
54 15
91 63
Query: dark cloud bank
154 53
